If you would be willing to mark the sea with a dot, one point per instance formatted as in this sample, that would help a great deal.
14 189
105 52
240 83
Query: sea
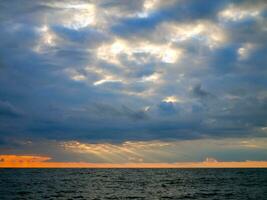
67 184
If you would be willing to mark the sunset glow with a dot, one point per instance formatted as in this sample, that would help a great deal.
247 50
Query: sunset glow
16 161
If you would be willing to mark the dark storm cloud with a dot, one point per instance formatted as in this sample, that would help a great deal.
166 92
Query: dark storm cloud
106 79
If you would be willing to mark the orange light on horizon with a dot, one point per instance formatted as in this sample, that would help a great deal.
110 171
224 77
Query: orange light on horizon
23 161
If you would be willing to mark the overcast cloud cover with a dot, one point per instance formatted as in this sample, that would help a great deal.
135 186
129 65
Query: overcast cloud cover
134 73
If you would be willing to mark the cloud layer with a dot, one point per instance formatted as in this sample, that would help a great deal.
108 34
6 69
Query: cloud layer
117 71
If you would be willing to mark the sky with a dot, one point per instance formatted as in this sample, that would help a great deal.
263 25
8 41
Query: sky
133 81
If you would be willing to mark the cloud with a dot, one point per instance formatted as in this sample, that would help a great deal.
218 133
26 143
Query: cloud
153 151
132 70
199 92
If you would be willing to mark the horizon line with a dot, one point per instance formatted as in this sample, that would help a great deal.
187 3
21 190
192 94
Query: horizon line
20 161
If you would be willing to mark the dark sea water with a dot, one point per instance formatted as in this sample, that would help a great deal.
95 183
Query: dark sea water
133 184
